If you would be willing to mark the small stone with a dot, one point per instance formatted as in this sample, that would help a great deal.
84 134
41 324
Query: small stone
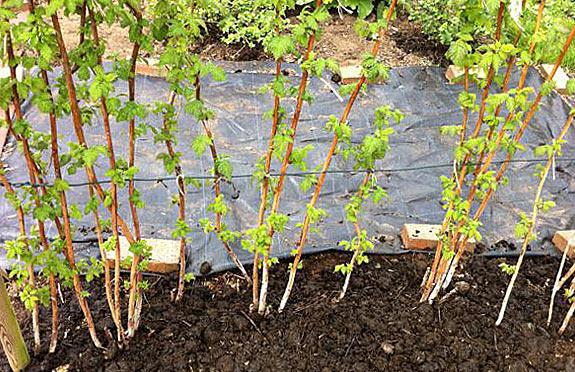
387 348
462 287
205 268
211 335
225 363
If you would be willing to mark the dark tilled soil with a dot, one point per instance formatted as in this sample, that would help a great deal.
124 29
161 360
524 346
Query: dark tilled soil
380 325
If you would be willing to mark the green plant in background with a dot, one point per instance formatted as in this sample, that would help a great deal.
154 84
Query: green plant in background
243 21
364 8
558 19
443 20
253 23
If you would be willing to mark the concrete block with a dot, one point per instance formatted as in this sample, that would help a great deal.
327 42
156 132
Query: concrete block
563 239
350 74
424 237
560 77
454 74
165 254
151 69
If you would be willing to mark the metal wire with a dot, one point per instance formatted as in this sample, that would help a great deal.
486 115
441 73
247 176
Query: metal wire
290 174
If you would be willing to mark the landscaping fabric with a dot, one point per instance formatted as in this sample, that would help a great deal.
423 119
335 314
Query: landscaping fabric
419 155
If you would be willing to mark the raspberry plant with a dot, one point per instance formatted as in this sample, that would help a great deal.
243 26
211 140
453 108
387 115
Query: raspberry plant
525 229
303 34
492 134
372 70
371 149
279 46
179 25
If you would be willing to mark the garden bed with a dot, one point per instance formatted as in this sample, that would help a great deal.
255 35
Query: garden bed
378 326
404 46
236 137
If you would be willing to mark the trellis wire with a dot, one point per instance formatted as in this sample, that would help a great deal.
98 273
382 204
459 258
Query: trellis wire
290 174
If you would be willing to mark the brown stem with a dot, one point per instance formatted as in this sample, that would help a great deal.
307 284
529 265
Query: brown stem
265 186
113 190
283 170
533 220
567 318
556 286
29 267
505 87
483 164
77 121
446 221
327 162
528 117
82 34
107 274
181 204
33 173
67 230
135 274
217 188
56 160
358 234
466 109
463 169
479 168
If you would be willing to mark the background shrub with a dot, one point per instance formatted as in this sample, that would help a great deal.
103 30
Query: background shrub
443 20
242 21
559 18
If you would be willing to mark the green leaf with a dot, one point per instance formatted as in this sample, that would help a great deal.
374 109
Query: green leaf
200 144
60 185
53 7
280 46
570 87
223 167
75 212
